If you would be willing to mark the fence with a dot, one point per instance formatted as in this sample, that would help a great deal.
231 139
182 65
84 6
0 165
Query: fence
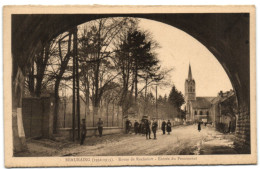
111 115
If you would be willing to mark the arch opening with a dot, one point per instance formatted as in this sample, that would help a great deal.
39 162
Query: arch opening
238 78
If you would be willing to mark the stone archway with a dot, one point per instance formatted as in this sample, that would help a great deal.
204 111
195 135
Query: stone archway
225 35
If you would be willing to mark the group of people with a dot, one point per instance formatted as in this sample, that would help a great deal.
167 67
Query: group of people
146 126
167 126
84 129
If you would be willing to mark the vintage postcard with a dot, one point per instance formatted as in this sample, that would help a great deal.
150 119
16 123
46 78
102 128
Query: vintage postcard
129 85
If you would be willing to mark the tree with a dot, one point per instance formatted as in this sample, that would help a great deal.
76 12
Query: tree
62 58
176 98
37 78
96 52
182 114
137 63
165 98
160 100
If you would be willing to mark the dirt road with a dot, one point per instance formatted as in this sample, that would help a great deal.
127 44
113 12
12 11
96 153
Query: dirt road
183 140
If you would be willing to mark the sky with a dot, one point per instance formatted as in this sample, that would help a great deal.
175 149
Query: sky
177 50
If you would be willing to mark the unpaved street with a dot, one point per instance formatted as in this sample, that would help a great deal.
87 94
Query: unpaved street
182 140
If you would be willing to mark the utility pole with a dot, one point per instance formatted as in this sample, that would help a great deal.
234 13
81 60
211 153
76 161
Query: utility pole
65 102
73 87
77 78
156 102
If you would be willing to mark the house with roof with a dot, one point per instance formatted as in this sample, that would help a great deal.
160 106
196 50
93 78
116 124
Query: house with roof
224 110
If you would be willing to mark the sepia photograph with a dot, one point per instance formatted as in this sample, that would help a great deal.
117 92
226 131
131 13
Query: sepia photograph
129 85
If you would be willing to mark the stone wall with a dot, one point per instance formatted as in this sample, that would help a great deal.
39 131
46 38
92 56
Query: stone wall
242 140
37 115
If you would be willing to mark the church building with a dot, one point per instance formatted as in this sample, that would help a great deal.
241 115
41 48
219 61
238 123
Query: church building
197 108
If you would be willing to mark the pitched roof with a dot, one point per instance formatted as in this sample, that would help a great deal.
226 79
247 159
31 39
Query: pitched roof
202 102
222 98
216 100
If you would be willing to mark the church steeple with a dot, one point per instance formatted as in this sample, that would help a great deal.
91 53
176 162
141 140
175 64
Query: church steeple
190 87
190 74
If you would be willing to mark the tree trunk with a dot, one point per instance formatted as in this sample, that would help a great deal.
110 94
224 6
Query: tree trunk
145 96
136 73
107 112
31 81
56 105
87 93
113 113
63 66
41 69
96 113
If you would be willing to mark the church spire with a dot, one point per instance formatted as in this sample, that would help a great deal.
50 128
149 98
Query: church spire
190 75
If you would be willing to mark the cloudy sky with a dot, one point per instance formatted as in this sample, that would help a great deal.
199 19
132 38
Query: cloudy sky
178 49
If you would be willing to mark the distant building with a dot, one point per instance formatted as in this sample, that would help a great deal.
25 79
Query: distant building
220 110
197 108
224 111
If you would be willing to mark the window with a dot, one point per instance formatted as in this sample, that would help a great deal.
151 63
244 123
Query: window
200 112
195 112
207 113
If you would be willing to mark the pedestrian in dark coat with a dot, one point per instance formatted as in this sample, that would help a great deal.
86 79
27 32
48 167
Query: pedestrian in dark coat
229 127
143 129
83 131
136 127
127 126
140 127
100 127
147 129
154 128
163 126
169 126
199 128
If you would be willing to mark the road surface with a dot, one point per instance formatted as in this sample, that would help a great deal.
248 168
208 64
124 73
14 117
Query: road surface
183 140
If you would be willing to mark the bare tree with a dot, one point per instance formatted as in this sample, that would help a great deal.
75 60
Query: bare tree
63 58
96 51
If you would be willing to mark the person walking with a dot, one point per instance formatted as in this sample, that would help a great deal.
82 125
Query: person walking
163 126
140 127
199 127
169 127
136 127
229 127
130 127
147 129
154 128
83 131
143 129
127 126
100 127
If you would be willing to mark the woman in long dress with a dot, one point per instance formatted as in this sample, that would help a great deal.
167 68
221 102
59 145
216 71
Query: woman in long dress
169 127
199 128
